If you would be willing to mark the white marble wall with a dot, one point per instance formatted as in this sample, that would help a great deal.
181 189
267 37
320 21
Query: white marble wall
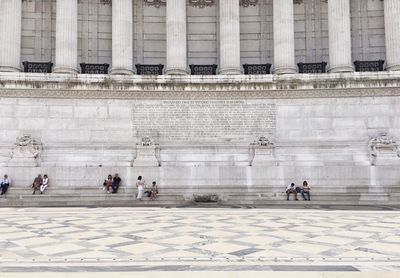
320 126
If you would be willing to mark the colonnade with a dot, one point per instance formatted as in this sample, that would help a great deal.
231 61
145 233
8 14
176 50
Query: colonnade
176 47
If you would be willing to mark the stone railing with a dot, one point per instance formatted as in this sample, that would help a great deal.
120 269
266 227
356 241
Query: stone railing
369 65
149 69
94 68
257 68
203 69
37 67
312 67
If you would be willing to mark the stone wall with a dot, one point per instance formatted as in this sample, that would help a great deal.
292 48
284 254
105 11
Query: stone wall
206 129
94 27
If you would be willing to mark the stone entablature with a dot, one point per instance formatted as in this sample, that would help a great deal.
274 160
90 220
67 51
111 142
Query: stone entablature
366 84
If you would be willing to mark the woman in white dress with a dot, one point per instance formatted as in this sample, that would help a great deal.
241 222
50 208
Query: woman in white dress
45 183
140 186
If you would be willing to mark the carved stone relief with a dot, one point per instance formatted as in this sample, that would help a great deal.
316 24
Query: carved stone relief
147 153
263 152
383 146
26 151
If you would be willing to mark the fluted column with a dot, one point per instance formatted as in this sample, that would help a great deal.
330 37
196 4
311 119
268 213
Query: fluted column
284 58
122 37
392 34
339 36
10 35
229 37
176 37
66 36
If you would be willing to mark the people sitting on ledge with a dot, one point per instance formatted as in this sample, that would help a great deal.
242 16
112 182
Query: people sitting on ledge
115 183
154 191
4 184
108 183
306 191
291 189
45 183
37 182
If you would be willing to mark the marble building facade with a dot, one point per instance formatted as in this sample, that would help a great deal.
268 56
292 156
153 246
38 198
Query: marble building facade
340 129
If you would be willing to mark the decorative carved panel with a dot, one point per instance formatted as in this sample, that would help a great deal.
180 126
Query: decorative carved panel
369 65
155 3
201 3
203 69
37 67
257 68
149 69
94 68
247 3
312 67
106 2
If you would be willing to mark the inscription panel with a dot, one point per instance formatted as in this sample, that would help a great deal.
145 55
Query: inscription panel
220 121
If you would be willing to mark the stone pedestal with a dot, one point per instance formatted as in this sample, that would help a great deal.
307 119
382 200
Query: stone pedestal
392 34
122 37
146 156
10 35
66 36
263 155
229 37
339 36
176 37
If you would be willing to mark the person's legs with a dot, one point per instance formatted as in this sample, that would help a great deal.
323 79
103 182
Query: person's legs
42 188
4 189
287 195
308 194
295 195
303 195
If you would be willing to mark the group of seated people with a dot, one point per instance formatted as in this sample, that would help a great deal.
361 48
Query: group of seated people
112 183
40 183
304 191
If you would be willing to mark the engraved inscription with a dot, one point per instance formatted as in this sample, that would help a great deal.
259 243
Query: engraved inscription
198 121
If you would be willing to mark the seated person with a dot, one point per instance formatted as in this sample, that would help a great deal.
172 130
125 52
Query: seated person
305 191
4 184
45 183
36 183
154 191
115 183
291 189
108 183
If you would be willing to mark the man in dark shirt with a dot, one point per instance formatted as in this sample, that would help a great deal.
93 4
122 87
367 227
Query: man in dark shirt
115 183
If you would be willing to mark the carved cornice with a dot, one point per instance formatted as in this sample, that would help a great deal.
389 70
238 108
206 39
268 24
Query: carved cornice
155 3
247 3
201 3
149 93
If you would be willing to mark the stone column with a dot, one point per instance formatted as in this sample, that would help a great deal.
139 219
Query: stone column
10 35
66 36
284 59
229 37
392 34
339 36
176 37
122 37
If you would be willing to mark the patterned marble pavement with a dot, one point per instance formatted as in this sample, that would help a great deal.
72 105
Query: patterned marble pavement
53 240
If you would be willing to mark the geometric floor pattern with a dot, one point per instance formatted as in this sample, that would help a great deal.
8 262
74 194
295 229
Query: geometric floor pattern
41 240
